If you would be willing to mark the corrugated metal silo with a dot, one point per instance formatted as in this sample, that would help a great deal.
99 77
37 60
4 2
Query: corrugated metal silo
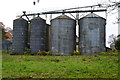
37 35
20 29
63 35
92 34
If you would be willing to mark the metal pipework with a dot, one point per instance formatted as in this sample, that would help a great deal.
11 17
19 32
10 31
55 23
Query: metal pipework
59 12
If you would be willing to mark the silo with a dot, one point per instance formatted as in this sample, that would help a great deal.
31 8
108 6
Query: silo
92 34
37 35
62 35
20 29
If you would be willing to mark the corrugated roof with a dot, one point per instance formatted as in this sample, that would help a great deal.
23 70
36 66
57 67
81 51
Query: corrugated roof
38 18
92 15
63 17
20 18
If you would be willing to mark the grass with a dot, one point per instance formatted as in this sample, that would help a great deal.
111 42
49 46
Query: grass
26 66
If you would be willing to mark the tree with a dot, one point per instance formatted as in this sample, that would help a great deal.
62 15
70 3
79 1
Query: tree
112 39
4 36
117 44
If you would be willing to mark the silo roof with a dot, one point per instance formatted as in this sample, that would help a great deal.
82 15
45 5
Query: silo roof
92 15
20 19
38 18
63 17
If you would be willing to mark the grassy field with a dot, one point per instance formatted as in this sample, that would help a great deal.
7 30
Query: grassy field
26 66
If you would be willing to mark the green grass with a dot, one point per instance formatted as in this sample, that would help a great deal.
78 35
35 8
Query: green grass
26 66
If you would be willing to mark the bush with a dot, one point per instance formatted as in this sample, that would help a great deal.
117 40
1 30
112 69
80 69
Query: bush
6 52
39 53
76 53
113 52
44 53
117 44
27 51
48 53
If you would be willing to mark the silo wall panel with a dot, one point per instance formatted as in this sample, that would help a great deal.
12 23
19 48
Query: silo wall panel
63 32
92 35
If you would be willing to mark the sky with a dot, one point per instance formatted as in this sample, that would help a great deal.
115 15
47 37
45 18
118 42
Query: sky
9 9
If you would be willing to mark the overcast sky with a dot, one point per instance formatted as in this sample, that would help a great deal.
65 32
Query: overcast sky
9 9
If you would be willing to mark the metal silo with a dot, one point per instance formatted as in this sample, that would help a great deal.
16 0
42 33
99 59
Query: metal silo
37 35
63 35
92 34
20 29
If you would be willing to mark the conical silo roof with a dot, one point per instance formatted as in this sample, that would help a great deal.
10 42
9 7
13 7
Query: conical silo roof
92 15
20 18
63 17
38 18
